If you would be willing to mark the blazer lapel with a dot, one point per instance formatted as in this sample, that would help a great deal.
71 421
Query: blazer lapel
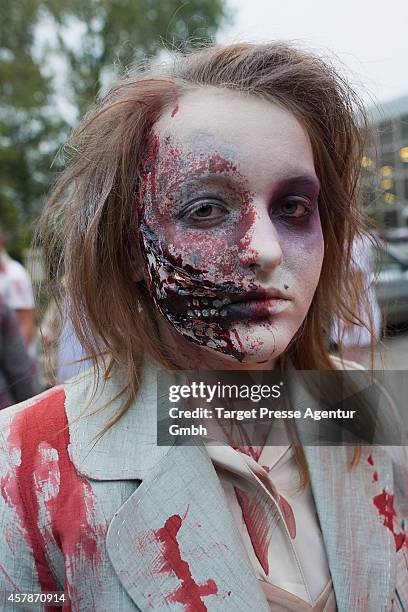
360 549
174 542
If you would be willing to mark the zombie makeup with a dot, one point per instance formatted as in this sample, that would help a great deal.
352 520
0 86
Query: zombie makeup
190 297
194 306
209 265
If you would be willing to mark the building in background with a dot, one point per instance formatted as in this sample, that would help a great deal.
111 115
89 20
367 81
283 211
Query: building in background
386 165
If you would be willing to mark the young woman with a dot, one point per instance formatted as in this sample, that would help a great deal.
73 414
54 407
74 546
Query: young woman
205 222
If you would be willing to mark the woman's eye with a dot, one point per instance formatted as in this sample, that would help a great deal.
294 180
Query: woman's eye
205 212
294 207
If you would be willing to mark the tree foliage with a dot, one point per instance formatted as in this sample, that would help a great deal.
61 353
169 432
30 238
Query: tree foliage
55 53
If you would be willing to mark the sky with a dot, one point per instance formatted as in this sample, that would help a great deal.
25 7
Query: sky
369 38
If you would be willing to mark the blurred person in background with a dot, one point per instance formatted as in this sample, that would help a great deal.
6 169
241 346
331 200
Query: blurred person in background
70 358
17 292
18 380
49 331
62 355
355 341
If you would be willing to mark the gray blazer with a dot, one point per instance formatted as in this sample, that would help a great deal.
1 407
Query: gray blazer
123 524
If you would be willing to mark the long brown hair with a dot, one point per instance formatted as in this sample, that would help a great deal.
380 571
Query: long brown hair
90 222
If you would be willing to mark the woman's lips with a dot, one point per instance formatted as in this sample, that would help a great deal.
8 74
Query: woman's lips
261 308
224 308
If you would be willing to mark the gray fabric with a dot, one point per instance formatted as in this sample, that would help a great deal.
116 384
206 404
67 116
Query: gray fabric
184 488
89 409
18 377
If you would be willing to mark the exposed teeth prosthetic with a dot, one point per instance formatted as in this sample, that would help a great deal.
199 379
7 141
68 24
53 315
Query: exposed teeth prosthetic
195 306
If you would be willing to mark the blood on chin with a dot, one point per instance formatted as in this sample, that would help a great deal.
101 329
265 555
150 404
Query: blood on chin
247 341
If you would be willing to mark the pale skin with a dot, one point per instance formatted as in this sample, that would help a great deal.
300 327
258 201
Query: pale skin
232 201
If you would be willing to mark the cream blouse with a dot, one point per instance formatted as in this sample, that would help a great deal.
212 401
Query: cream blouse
278 524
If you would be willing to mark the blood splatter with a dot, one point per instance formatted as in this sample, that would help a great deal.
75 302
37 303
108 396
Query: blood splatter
375 473
238 339
148 174
68 497
251 451
175 110
219 164
189 593
257 524
384 502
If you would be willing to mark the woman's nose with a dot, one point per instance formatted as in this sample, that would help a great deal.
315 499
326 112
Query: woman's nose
260 248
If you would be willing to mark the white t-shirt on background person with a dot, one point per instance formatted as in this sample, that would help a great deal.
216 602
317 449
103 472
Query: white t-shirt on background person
15 284
16 290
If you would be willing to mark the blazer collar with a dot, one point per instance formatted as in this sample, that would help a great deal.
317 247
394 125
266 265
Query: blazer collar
90 406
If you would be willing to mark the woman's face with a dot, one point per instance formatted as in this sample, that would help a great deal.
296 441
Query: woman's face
230 226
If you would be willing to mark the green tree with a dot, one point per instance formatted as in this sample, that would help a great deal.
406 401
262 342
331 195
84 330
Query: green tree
27 126
90 41
119 32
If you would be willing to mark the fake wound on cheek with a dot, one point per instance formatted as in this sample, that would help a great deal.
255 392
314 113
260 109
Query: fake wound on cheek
198 308
195 278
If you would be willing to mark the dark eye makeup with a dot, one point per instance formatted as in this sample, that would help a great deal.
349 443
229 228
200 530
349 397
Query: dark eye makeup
293 207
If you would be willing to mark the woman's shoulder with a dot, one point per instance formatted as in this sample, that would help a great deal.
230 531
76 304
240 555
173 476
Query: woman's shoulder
397 453
40 418
345 364
28 422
